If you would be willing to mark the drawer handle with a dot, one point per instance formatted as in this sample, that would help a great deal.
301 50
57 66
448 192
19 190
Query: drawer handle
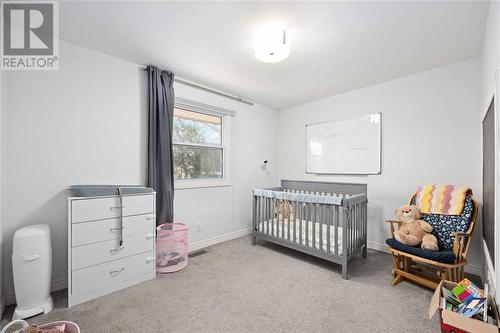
149 236
150 217
118 271
115 229
150 259
116 207
32 258
118 249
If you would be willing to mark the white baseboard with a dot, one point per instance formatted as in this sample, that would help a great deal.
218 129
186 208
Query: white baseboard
472 269
377 246
219 239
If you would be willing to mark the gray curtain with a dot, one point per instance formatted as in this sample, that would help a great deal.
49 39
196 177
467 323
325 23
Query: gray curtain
160 159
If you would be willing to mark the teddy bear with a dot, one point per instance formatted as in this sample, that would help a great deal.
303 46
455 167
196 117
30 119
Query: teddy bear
412 231
283 208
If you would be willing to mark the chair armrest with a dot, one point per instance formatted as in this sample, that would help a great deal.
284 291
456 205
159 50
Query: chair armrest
392 223
459 244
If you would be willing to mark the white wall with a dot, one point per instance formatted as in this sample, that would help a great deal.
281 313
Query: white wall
225 210
431 134
490 62
490 57
86 124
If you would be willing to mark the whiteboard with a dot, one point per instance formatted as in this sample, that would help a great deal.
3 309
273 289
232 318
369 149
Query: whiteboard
349 146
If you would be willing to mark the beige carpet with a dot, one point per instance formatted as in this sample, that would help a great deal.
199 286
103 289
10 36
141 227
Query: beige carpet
237 287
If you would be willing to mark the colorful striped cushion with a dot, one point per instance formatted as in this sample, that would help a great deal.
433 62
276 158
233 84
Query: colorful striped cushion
441 199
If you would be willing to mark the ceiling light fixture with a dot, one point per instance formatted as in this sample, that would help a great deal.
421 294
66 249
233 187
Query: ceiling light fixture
271 43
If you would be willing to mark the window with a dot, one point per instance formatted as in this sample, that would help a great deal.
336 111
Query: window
199 149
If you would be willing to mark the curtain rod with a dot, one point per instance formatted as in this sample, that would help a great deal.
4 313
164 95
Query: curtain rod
210 90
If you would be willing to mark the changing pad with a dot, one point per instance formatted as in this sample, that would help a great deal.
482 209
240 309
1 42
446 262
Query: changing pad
103 190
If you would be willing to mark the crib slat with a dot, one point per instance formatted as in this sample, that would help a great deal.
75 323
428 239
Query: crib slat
356 234
328 232
300 224
295 223
274 222
283 220
261 210
270 217
321 225
266 220
336 230
266 212
308 219
256 212
357 227
314 207
295 216
291 233
345 234
259 219
275 228
292 211
266 201
361 231
318 226
355 231
351 222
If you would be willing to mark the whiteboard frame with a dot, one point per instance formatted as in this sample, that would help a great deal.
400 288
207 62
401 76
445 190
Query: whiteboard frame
344 119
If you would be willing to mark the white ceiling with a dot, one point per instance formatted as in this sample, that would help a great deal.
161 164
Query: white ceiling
336 47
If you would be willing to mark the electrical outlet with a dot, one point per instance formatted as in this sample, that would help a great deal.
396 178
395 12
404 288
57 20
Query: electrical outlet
197 227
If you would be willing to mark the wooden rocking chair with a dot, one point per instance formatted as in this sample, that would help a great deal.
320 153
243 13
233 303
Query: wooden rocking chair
429 272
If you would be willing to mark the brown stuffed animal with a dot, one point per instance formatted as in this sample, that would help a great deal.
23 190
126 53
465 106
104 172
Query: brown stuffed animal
283 208
413 231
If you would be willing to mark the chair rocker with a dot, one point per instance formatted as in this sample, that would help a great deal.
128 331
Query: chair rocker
428 268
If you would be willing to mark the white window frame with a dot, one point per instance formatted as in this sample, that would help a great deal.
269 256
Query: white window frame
225 116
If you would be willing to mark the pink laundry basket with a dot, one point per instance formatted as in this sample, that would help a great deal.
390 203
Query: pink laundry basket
69 327
171 247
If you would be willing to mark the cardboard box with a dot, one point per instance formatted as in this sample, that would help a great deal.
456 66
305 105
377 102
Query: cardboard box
454 322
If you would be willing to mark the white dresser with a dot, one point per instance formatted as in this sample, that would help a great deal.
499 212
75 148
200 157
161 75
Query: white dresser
97 263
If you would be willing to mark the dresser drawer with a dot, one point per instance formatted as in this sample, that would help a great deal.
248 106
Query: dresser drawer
138 204
109 207
99 231
93 254
107 274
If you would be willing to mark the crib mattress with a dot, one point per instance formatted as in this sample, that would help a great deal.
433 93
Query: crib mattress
310 235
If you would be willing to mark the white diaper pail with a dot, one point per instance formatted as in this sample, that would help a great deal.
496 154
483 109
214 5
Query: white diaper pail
32 268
